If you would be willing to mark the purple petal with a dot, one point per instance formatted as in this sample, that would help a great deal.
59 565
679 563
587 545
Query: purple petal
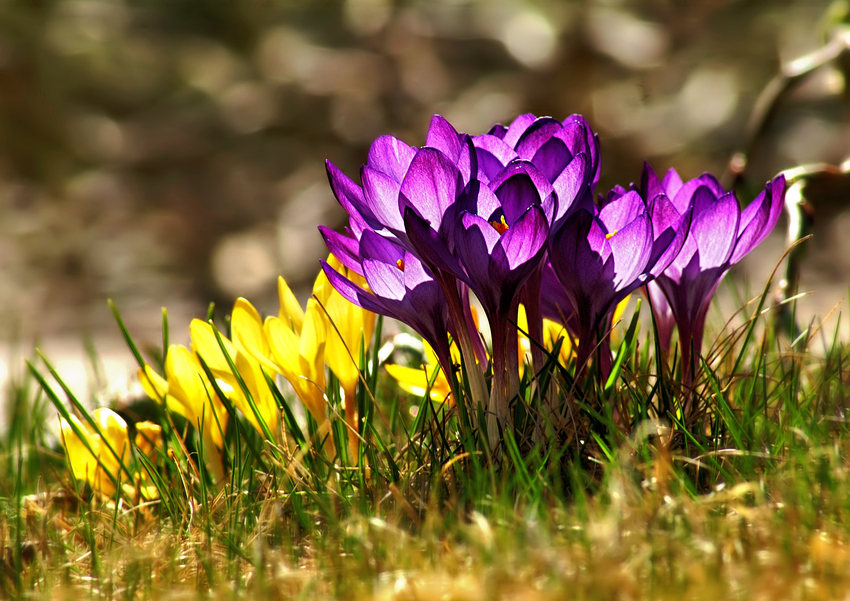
621 209
712 184
536 135
431 185
526 238
382 196
345 248
516 194
579 137
415 272
670 230
517 128
759 218
349 195
651 186
429 245
493 154
390 156
478 198
570 250
476 239
570 184
375 246
444 137
671 183
385 280
529 170
630 247
478 226
352 292
714 231
552 157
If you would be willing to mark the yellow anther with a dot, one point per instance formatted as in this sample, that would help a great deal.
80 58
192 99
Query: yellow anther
611 235
400 264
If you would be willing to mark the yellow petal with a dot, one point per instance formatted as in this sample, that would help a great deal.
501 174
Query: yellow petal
83 463
616 317
113 430
283 343
290 309
98 466
155 386
346 329
205 344
193 395
620 309
148 439
255 381
311 348
246 327
415 381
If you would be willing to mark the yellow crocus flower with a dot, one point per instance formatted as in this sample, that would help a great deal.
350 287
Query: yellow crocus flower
186 391
415 380
250 370
97 457
347 329
300 356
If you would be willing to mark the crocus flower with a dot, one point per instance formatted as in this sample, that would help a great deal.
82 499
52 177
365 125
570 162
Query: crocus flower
348 331
249 392
565 152
291 343
399 286
430 377
599 257
100 456
186 391
721 234
475 212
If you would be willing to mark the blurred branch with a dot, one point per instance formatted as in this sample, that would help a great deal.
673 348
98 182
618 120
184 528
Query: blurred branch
768 103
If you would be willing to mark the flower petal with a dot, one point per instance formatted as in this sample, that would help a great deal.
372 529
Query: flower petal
630 247
526 238
431 185
390 156
444 137
382 196
714 229
759 218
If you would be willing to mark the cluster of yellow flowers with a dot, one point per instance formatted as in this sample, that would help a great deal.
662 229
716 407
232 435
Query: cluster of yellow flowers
297 344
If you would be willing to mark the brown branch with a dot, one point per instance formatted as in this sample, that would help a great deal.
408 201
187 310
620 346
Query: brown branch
767 105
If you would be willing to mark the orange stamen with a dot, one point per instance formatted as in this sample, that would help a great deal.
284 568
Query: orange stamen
400 264
500 226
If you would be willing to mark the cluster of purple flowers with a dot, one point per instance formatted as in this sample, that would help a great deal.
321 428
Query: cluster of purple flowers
511 216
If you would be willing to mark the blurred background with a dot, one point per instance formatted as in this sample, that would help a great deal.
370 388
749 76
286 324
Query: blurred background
171 152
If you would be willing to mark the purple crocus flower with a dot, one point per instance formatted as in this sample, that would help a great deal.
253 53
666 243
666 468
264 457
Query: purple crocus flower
493 239
566 153
601 255
721 234
400 286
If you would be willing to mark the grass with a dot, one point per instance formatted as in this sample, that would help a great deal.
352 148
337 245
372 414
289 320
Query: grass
751 501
